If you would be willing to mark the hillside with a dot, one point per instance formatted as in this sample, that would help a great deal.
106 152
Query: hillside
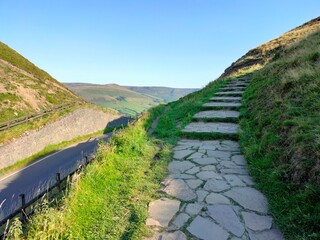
127 99
26 89
258 57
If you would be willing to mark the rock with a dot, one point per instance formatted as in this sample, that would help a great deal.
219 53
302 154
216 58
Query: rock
179 189
193 208
223 155
209 168
215 185
196 155
201 194
193 170
179 221
178 235
181 176
205 161
235 171
248 198
226 217
205 175
247 179
215 198
194 183
179 155
205 229
179 166
256 222
239 160
234 180
162 211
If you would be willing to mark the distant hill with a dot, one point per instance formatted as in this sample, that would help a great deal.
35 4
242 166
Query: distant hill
25 88
258 57
127 99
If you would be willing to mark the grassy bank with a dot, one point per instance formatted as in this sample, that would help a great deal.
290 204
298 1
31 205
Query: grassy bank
109 199
281 139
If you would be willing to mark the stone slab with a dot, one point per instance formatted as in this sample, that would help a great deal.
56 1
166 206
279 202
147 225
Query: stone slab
234 180
226 98
193 208
179 221
205 229
216 198
177 235
272 234
222 104
181 154
227 218
162 211
229 93
179 189
217 114
214 185
206 161
194 183
210 127
180 166
249 198
257 222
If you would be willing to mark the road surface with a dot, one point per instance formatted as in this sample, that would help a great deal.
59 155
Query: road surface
36 177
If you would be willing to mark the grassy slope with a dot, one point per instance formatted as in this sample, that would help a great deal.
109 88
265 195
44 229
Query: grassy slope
127 100
24 88
281 136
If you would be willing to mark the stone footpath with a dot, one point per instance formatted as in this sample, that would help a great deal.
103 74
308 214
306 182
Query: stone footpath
211 193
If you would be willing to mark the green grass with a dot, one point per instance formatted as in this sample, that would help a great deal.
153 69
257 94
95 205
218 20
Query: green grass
109 199
281 136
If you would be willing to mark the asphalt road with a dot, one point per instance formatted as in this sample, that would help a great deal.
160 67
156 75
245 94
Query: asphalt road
38 176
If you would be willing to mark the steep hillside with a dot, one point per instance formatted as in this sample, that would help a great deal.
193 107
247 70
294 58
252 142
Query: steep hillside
257 57
126 99
25 89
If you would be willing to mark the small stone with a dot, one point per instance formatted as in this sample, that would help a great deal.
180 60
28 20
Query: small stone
194 183
205 161
248 198
205 229
215 198
223 155
272 234
209 168
178 235
247 179
179 189
235 171
215 185
193 170
205 175
181 176
227 218
193 208
234 180
201 195
179 221
162 211
256 222
239 160
228 164
179 155
179 166
196 155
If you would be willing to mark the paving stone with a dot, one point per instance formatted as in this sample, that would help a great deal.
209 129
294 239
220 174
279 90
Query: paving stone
223 155
217 114
248 198
201 194
230 93
216 198
193 208
209 168
179 148
181 176
205 229
272 234
228 145
257 222
178 235
194 183
227 98
235 171
234 180
226 217
247 179
179 189
162 211
182 154
233 88
215 185
229 164
193 170
205 161
179 221
222 104
180 166
209 145
205 175
212 127
196 155
239 160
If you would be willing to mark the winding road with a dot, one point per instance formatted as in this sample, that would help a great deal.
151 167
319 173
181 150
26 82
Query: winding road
39 175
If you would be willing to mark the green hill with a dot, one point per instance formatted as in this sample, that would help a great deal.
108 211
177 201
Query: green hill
127 99
26 89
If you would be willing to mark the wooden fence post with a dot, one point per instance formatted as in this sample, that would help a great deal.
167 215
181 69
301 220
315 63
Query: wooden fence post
23 218
58 179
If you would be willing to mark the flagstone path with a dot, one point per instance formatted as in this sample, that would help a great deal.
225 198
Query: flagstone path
210 193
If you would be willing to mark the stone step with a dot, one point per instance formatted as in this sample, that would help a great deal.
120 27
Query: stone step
222 104
210 127
230 93
226 99
236 85
216 114
233 88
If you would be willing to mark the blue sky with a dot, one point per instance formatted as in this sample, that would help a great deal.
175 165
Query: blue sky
176 43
